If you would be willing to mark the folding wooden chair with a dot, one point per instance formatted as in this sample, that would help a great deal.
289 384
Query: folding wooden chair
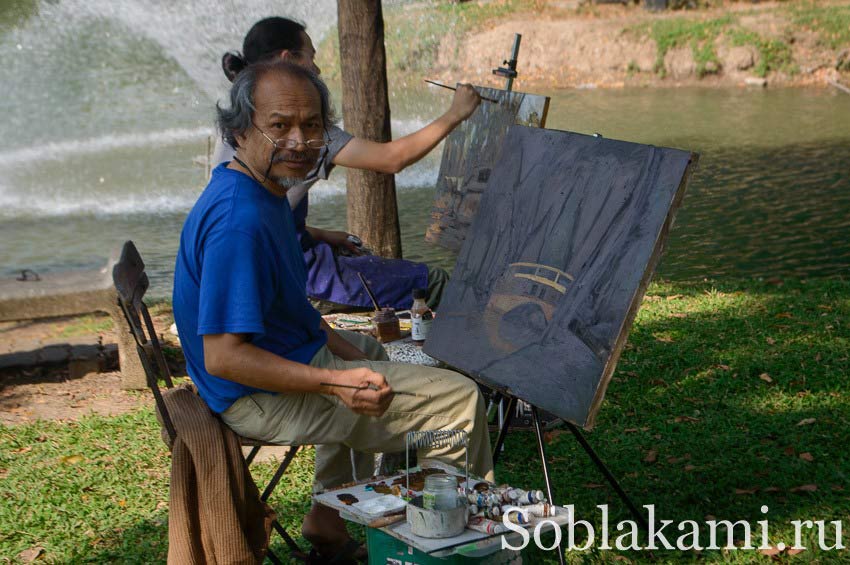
131 282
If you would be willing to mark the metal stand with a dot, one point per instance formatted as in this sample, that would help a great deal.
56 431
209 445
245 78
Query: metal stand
641 519
508 72
541 448
294 549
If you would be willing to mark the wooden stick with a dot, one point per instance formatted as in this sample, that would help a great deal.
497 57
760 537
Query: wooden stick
435 83
372 387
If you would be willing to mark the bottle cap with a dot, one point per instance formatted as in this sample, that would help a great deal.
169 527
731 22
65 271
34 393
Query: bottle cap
420 293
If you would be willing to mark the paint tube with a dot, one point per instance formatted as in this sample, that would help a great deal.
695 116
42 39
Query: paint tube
522 497
541 510
516 514
486 526
492 512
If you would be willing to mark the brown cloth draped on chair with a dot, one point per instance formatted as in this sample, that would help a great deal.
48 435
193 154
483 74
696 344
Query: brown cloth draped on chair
215 514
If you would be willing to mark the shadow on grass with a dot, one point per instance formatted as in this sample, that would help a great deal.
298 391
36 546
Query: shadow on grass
147 540
724 401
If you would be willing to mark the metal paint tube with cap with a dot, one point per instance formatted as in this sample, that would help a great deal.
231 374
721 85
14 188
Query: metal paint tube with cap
486 526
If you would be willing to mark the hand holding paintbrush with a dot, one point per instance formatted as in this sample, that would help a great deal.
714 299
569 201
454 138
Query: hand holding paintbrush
373 387
441 85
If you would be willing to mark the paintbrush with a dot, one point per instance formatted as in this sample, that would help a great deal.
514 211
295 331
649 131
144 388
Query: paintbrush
435 83
369 292
373 387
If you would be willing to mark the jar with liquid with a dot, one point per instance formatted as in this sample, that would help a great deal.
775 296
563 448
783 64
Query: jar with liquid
387 325
440 492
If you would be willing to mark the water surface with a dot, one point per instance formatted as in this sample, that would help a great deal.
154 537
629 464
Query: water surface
107 109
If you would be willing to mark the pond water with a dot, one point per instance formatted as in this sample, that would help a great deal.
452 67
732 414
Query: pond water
107 109
771 197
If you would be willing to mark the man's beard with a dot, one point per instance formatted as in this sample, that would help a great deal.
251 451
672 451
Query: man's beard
288 182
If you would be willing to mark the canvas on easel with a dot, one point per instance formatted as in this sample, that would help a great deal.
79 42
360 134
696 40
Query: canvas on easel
469 155
548 282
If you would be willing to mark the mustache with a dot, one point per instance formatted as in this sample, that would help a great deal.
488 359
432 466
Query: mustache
292 157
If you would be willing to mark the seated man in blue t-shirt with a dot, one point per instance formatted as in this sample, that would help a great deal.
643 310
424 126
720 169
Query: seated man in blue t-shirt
259 354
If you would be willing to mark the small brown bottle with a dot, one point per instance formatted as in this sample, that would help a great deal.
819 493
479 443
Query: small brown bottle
420 317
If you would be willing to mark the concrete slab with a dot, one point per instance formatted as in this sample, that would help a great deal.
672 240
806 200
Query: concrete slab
18 359
86 351
54 354
79 368
69 294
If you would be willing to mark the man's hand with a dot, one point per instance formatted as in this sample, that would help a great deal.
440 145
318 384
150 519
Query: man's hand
339 239
366 402
465 101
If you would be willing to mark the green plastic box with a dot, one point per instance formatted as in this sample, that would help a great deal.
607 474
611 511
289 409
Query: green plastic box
386 550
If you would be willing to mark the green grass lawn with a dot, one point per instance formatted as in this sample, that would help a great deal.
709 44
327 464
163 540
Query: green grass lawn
728 397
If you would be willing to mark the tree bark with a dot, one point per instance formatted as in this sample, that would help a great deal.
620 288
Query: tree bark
372 208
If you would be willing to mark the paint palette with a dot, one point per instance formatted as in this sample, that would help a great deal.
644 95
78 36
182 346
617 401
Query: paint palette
380 506
351 499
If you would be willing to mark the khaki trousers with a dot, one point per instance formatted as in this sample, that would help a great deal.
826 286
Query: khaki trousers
451 402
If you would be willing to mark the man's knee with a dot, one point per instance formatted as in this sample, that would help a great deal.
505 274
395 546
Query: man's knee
467 389
374 350
367 344
467 386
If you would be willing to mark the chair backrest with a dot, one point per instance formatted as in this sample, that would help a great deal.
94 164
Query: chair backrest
131 283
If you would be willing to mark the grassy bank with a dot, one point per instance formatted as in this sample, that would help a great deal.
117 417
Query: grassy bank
773 52
728 397
702 36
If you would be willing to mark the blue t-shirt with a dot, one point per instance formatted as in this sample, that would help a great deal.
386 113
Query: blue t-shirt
240 270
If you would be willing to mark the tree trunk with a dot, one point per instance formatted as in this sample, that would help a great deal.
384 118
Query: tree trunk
372 209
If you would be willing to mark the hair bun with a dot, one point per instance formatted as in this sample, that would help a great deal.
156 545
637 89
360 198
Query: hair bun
232 64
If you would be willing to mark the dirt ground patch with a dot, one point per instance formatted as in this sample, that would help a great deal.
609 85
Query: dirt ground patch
48 394
48 391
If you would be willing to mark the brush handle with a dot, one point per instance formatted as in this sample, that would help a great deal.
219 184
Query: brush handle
435 83
386 521
369 292
372 387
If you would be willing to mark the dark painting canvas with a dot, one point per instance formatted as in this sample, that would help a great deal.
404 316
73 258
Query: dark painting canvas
469 154
549 279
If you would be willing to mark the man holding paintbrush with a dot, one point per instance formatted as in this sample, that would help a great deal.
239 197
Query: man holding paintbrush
258 352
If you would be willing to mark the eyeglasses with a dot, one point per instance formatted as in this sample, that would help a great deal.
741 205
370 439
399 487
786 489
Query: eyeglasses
288 143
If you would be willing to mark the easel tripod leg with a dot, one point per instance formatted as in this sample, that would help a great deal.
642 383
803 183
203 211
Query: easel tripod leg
503 430
638 515
541 447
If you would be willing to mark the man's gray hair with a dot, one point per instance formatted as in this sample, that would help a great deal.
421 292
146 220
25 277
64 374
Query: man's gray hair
237 119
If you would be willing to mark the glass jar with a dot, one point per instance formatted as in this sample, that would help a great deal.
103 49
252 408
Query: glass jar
440 492
387 325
